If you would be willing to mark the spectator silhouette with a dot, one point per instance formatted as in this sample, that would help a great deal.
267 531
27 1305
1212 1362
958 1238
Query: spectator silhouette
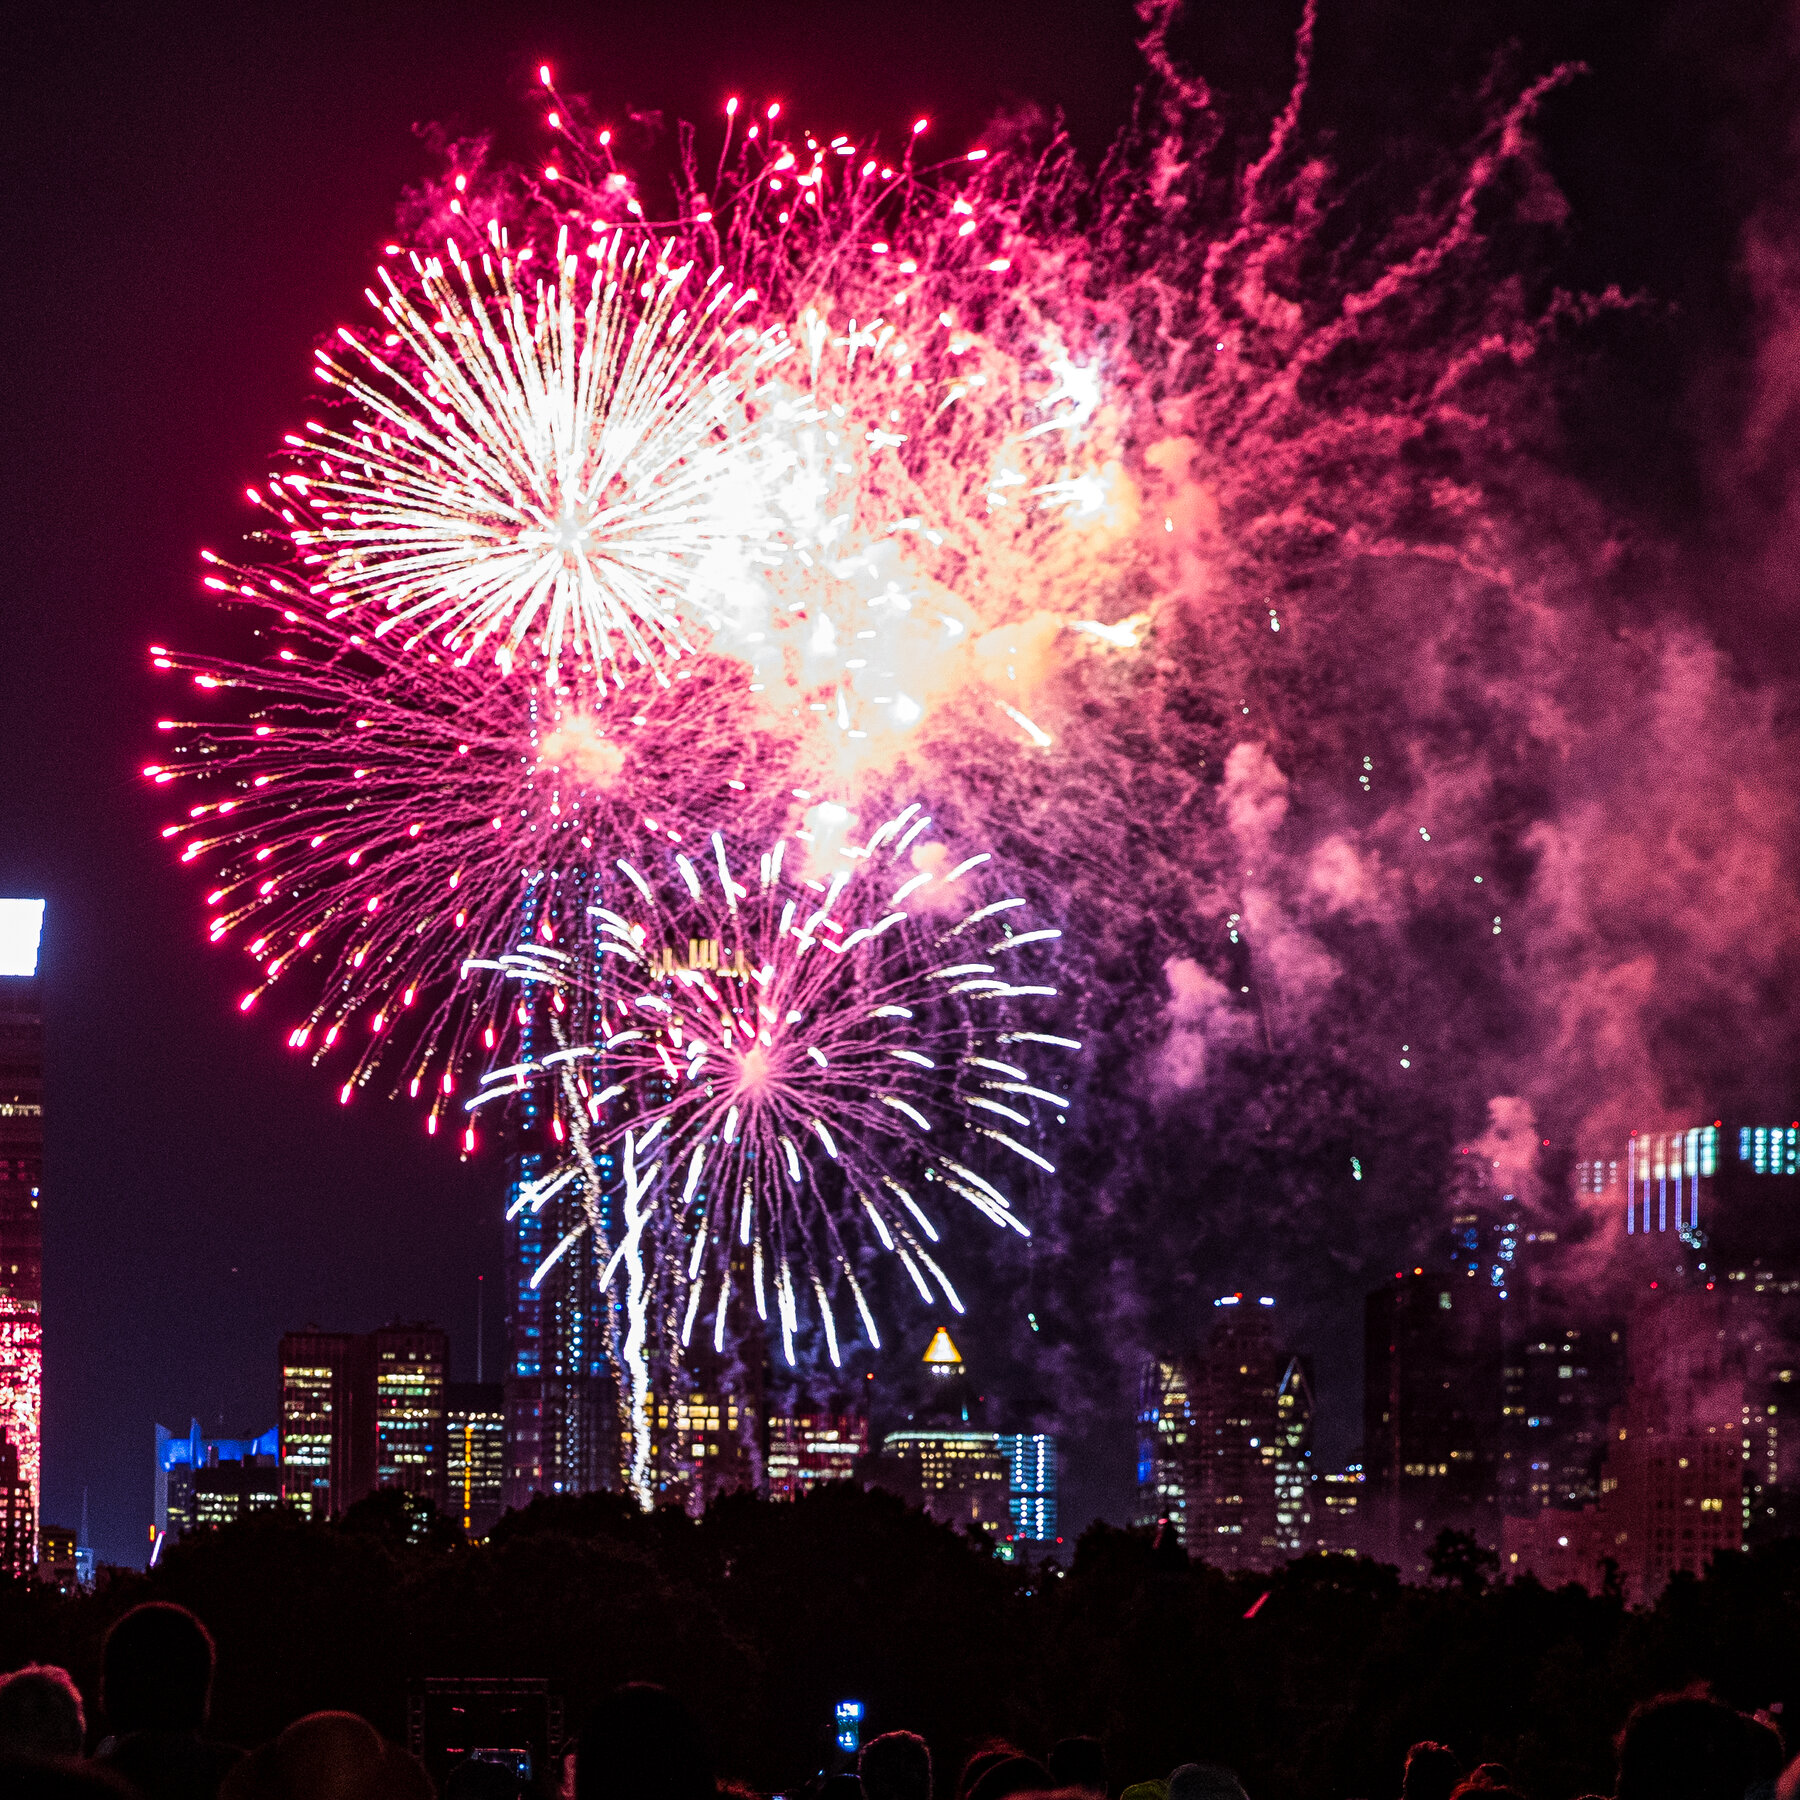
1014 1774
896 1766
994 1751
328 1756
40 1713
1079 1762
640 1743
1205 1781
1686 1747
156 1676
1432 1772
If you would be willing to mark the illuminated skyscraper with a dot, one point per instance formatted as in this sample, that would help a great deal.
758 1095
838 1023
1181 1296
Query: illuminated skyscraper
1031 1487
327 1421
810 1446
1724 1190
363 1412
1225 1441
562 1410
412 1445
202 1481
1432 1384
475 1417
21 1222
1236 1440
942 1459
1164 1421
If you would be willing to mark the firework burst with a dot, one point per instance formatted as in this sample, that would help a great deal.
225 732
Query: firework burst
374 816
533 476
797 1067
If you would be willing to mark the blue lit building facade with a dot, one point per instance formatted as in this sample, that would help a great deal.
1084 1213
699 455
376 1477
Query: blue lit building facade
1031 1484
563 1429
196 1477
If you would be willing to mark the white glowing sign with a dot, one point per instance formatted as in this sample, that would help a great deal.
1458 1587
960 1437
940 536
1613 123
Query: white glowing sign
21 924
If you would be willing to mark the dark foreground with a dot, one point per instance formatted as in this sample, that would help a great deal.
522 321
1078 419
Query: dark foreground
762 1617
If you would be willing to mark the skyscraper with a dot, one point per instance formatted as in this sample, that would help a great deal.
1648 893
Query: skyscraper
1164 1421
327 1421
1431 1410
1721 1191
188 1486
475 1422
942 1459
1031 1488
1225 1440
1673 1481
809 1446
410 1363
21 1194
361 1412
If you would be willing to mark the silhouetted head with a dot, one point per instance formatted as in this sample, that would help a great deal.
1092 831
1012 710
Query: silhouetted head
979 1764
896 1766
638 1742
1012 1775
328 1756
1432 1772
1204 1781
1684 1747
1080 1762
40 1713
157 1670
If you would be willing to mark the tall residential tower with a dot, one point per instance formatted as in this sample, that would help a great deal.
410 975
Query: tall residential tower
21 1221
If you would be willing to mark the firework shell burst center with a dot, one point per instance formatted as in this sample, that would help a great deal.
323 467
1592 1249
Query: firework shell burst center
802 1061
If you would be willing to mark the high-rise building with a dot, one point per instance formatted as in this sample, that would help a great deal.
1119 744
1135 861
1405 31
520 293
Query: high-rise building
1432 1377
1672 1482
809 1446
18 1517
327 1421
943 1459
226 1489
563 1415
1031 1487
1236 1441
186 1466
410 1363
704 1441
1719 1191
475 1424
1293 1459
1225 1441
21 1195
1164 1421
361 1412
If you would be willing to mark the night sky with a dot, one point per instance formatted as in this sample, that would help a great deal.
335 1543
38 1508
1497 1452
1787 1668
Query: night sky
192 200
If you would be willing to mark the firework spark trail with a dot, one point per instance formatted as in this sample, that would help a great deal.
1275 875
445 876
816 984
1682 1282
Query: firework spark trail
376 816
813 1056
535 475
934 444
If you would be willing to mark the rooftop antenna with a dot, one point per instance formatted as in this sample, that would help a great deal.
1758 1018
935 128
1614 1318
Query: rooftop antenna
480 1292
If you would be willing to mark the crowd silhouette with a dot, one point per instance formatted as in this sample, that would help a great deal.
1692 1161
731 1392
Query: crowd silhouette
280 1660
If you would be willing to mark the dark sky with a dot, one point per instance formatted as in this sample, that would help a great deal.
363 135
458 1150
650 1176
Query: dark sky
190 200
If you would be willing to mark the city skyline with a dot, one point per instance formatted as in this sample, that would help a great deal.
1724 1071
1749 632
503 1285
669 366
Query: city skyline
206 1190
